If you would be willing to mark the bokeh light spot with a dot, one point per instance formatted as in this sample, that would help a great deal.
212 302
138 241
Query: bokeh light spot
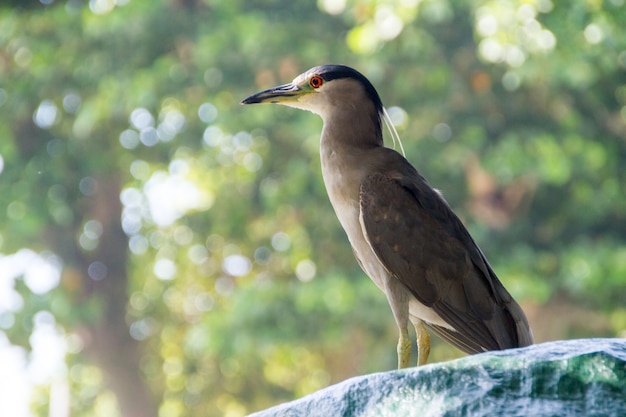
213 77
305 270
140 169
333 7
207 112
252 161
165 269
42 274
398 116
388 23
593 34
442 132
141 118
138 244
46 114
16 210
56 148
101 6
97 271
198 254
23 57
236 265
139 301
148 136
213 136
262 255
129 139
87 186
142 329
511 81
281 241
71 102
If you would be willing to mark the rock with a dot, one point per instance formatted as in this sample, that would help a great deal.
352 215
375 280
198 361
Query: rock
566 378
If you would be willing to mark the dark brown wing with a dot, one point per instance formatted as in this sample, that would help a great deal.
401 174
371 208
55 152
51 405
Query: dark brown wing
423 243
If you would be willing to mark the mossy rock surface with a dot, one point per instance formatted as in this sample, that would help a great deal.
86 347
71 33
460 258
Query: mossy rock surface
584 377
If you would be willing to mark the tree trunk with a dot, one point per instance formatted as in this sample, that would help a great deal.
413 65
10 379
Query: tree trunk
111 345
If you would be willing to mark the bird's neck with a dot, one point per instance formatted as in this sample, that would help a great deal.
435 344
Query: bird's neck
350 130
345 143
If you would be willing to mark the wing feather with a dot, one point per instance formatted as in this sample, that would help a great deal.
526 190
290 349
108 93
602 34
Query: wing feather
420 240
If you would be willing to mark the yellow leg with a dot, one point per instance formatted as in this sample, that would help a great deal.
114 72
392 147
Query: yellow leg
423 343
404 349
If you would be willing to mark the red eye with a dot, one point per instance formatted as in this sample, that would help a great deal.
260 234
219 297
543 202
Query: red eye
316 81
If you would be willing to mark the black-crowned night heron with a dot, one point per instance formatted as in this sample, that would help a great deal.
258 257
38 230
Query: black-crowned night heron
403 233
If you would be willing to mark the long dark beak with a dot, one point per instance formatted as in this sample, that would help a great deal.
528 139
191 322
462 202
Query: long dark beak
278 94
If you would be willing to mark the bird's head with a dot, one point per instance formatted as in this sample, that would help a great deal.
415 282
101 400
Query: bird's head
324 90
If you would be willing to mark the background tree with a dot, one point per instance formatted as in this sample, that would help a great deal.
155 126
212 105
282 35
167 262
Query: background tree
182 248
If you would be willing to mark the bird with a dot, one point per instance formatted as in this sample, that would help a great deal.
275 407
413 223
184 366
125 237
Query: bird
403 233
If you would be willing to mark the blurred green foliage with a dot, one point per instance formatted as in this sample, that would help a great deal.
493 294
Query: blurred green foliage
203 271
